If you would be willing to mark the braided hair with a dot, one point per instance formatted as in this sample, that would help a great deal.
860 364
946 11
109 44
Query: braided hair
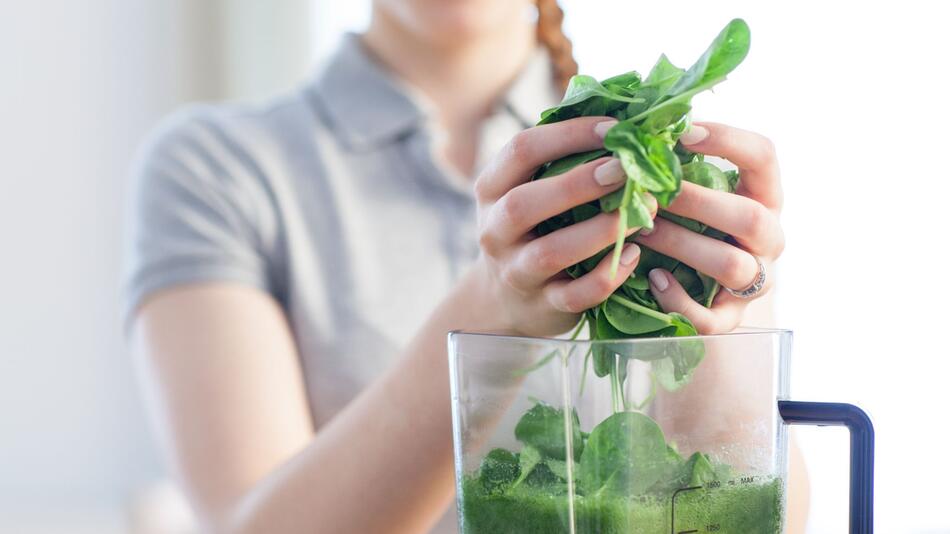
550 34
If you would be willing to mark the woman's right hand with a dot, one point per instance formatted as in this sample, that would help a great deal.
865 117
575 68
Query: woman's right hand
522 274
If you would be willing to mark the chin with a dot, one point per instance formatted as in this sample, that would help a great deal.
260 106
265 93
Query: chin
452 21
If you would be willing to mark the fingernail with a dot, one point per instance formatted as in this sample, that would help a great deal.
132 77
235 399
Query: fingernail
601 127
630 253
695 134
609 173
647 231
659 280
652 204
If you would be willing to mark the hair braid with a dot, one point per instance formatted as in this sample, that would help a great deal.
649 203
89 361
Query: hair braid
551 36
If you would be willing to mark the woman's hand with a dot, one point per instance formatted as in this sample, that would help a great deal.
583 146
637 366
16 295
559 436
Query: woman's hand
523 274
751 217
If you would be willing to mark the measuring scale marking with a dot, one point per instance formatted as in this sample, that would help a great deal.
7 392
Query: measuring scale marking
710 486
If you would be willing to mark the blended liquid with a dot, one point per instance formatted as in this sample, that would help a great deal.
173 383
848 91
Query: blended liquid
732 508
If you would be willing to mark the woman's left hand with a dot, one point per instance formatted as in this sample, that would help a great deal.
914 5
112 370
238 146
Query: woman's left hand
751 216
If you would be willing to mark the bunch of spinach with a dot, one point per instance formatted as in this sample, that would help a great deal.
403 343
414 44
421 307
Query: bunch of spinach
653 112
627 454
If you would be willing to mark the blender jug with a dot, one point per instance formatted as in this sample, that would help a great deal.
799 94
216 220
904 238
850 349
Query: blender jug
661 435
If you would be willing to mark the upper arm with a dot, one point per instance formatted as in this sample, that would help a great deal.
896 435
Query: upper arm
224 385
219 361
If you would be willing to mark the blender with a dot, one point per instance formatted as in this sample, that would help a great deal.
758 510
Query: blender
652 435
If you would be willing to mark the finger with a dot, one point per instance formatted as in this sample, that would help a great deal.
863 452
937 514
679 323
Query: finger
672 298
753 225
753 154
541 258
522 208
575 296
533 147
728 264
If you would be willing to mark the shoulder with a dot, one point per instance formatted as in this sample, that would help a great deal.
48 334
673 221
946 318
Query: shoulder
239 134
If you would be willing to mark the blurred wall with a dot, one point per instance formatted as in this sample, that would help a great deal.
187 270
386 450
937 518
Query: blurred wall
81 83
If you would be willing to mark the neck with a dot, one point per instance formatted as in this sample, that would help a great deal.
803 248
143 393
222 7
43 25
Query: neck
463 79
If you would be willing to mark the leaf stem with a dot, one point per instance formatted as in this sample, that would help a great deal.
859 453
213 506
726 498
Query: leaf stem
641 309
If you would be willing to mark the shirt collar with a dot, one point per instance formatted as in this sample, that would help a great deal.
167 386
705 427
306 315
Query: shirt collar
369 106
366 104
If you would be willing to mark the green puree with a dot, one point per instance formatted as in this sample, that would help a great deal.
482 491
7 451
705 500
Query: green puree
754 508
625 477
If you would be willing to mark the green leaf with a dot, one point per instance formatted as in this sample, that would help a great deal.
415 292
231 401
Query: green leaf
666 117
707 175
559 468
528 459
725 53
498 469
625 84
628 320
542 427
676 370
647 159
733 177
690 280
625 454
603 356
560 166
585 96
663 74
701 470
636 282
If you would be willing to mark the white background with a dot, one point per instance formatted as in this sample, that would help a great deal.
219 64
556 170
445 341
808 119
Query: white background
853 93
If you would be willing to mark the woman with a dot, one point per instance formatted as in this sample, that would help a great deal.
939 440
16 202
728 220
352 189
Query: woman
296 267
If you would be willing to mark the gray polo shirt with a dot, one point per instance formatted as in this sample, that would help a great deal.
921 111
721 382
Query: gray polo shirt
331 200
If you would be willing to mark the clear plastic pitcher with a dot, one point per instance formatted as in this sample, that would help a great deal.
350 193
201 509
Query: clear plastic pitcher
666 435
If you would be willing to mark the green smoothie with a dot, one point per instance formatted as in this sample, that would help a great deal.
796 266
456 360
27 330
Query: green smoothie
621 477
739 508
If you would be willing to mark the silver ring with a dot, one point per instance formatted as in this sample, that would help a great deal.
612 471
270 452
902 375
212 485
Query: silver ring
757 285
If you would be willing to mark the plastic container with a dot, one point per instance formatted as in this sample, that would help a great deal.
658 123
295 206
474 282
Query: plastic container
664 435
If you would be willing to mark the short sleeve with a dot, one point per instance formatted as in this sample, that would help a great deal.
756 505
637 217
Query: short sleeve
198 211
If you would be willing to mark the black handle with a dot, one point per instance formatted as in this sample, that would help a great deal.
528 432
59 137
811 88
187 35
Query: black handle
862 450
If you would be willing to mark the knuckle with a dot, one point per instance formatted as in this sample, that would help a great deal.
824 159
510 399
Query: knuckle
510 209
570 303
766 150
487 242
706 328
577 185
756 223
779 246
519 148
482 189
734 268
544 258
509 276
602 285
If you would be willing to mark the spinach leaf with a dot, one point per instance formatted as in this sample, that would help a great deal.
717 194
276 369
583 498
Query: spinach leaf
725 53
528 459
663 75
586 96
629 319
567 163
542 427
498 470
648 161
625 454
